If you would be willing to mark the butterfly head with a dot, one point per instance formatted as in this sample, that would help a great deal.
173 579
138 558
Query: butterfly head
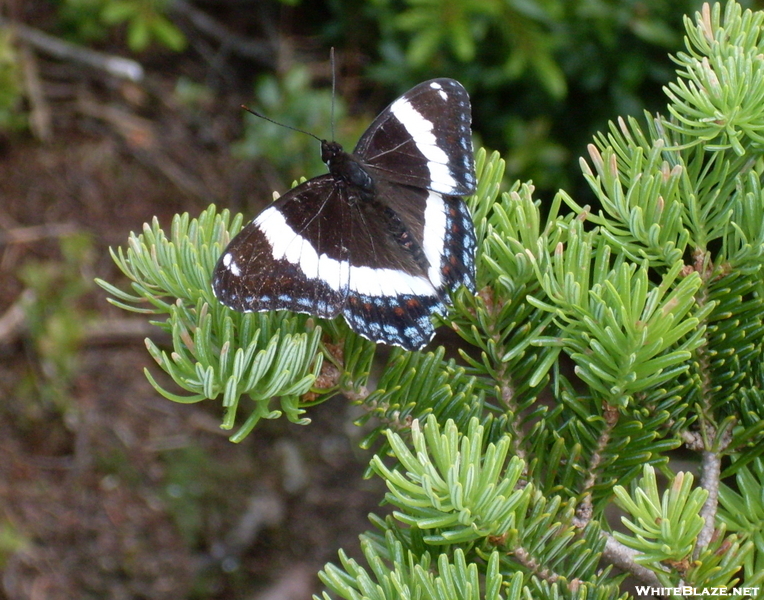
329 152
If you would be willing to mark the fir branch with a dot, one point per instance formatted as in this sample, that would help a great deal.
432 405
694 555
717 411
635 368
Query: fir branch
414 385
503 326
624 558
667 534
742 512
722 76
455 490
409 577
220 352
450 486
665 529
711 468
584 512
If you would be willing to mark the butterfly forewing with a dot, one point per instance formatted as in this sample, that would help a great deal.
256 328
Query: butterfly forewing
383 239
424 139
273 264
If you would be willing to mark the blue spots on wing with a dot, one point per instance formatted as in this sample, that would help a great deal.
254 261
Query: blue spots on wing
397 320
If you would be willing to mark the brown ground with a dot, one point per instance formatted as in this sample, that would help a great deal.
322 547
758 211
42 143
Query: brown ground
106 489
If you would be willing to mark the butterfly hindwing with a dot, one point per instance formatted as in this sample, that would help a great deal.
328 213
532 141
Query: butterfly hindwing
401 320
392 293
457 261
383 239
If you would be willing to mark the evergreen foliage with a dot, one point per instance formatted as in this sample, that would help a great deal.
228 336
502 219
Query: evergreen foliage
600 340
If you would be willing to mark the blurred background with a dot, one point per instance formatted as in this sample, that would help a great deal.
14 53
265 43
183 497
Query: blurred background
113 112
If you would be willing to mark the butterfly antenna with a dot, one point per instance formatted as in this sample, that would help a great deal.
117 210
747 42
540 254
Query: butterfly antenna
257 114
334 85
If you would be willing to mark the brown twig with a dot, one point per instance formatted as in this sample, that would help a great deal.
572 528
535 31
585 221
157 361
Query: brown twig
25 235
524 558
13 321
710 478
124 68
39 115
229 41
142 140
96 332
623 557
584 511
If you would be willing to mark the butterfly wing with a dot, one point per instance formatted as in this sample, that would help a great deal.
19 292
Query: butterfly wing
424 139
442 232
390 294
459 244
404 263
291 257
320 250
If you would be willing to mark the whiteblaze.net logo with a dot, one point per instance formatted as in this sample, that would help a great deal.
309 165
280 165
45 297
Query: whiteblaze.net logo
689 591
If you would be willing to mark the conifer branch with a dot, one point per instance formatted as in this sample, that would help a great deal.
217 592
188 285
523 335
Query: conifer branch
710 468
585 511
624 558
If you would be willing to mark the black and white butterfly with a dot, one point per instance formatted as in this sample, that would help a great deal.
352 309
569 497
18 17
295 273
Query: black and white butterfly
382 239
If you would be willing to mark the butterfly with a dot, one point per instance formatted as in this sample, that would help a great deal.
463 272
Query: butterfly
382 239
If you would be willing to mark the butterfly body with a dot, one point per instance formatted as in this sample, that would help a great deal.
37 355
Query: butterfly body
347 170
381 239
